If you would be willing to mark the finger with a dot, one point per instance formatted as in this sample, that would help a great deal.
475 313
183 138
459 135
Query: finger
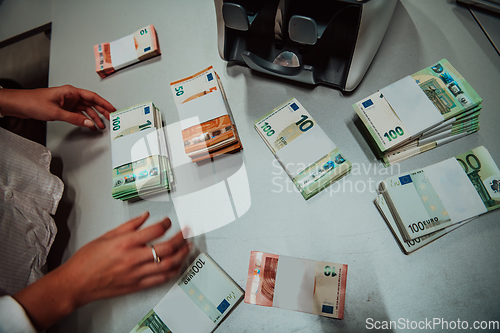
93 115
167 264
128 226
102 110
171 246
74 118
95 99
150 233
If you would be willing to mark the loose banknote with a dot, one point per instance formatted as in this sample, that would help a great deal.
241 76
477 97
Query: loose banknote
438 196
208 129
406 109
139 46
303 149
139 153
310 286
197 303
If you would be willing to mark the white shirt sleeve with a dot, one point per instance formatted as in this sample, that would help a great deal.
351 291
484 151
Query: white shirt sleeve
13 318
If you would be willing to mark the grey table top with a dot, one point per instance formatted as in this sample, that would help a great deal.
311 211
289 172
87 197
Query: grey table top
453 278
20 16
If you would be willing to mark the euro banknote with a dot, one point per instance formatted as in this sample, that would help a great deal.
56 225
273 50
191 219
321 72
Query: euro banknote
310 286
139 153
308 155
416 104
417 243
208 129
197 303
139 46
443 194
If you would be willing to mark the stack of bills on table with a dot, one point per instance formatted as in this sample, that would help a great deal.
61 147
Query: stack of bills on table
427 203
207 124
308 155
310 286
197 303
139 46
139 152
419 112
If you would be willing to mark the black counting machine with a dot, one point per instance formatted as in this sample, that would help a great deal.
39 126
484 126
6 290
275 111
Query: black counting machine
329 42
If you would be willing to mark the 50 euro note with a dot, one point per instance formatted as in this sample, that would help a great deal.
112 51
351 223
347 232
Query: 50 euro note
208 129
303 149
139 46
443 194
407 108
197 303
310 286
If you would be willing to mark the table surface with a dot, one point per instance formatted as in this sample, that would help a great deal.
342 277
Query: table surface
453 278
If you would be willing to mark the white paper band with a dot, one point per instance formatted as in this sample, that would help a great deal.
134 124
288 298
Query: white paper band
305 150
123 52
294 286
412 105
204 108
134 147
455 190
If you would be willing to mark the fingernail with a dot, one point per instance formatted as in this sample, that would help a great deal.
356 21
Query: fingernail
144 214
88 123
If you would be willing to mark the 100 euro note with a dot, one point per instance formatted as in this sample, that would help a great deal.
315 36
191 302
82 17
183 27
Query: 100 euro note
445 88
307 154
139 46
201 96
197 303
145 175
438 196
310 286
414 244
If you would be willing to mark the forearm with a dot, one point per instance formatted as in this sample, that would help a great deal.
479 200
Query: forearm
49 299
8 103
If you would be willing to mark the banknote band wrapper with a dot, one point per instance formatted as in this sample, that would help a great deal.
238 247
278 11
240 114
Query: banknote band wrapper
198 301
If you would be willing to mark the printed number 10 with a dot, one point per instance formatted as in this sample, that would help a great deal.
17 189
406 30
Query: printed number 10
143 31
393 134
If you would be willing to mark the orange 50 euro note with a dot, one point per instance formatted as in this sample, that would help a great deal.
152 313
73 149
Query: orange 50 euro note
310 286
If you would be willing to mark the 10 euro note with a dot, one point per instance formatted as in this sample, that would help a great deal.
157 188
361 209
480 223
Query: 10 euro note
139 46
310 286
308 155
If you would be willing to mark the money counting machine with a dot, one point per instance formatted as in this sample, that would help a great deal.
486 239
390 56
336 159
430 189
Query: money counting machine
328 42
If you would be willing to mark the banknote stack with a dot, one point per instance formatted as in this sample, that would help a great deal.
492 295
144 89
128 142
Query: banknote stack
419 112
139 46
208 129
303 149
425 204
197 303
139 153
310 286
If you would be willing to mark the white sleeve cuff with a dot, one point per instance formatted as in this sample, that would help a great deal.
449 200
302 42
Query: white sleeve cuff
13 318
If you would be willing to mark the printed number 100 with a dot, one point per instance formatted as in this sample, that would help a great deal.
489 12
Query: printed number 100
266 128
393 134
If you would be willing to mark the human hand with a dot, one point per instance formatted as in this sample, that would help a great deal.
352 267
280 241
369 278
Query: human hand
65 103
119 262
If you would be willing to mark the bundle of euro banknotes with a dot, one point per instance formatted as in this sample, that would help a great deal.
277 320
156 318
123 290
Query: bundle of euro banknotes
309 286
139 152
197 303
308 155
139 46
208 128
425 204
419 112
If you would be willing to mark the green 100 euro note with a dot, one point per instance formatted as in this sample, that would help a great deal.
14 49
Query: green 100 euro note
307 154
139 154
197 303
